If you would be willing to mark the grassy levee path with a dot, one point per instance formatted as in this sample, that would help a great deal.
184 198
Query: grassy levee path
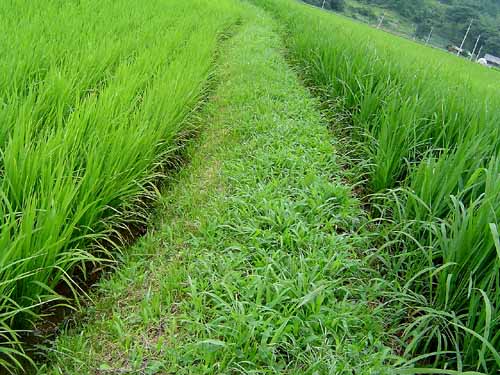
254 264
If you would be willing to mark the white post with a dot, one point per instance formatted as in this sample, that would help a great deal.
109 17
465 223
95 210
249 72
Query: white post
429 36
465 37
475 46
323 6
479 53
381 20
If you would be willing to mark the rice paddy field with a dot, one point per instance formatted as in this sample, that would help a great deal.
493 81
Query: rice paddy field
94 98
427 127
313 196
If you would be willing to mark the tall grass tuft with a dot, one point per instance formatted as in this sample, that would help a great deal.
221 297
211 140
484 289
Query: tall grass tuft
428 124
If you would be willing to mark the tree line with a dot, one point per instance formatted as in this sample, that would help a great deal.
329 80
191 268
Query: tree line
449 18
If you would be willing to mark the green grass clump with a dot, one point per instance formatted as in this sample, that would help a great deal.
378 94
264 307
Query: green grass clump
427 124
93 102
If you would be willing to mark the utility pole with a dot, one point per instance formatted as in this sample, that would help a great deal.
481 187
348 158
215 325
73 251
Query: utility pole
465 37
381 20
479 53
475 46
323 6
429 36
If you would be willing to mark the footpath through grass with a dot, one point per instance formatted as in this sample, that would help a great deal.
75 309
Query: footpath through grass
255 265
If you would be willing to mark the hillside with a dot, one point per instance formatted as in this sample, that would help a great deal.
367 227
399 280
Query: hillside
448 19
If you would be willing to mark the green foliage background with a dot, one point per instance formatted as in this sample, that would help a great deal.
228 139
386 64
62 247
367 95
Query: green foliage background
449 18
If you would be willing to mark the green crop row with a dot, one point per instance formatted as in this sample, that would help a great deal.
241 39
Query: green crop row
426 123
94 99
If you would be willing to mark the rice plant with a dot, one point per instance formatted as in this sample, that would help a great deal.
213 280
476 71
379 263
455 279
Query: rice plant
428 124
94 100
